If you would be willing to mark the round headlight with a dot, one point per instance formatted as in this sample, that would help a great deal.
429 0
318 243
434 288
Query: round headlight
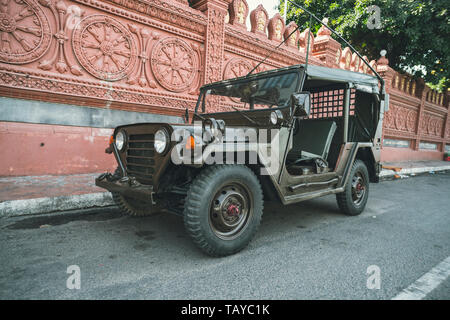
161 140
120 140
273 118
276 117
214 128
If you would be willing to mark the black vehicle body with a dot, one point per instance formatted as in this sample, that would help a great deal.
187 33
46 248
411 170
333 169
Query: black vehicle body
324 120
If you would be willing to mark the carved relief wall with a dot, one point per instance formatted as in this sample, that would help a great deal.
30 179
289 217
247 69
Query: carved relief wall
416 113
152 56
145 54
140 55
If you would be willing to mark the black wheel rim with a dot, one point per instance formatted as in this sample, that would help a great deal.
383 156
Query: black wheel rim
230 211
358 188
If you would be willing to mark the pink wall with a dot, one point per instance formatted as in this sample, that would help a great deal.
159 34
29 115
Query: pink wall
35 149
405 154
152 57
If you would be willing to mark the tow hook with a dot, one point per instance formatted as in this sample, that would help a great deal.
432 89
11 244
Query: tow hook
131 181
108 176
103 175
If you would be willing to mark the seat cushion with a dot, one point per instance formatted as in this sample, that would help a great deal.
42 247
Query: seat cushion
313 138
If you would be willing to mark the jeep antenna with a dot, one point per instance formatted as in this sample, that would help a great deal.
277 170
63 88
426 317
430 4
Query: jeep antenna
270 53
311 15
290 34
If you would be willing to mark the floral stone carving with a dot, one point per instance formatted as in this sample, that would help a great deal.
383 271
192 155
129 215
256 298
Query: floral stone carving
25 33
237 68
276 27
174 64
104 47
259 19
238 12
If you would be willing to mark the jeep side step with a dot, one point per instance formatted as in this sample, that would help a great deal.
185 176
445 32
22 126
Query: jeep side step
312 184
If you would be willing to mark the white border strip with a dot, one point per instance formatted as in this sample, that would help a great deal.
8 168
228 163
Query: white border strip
427 283
47 205
388 172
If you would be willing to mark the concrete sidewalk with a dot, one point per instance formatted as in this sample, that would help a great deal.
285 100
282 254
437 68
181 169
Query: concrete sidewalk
411 168
45 194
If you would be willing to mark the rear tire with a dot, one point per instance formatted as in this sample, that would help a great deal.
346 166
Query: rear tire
223 209
354 198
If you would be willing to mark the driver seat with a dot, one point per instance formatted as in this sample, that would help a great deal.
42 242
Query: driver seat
312 140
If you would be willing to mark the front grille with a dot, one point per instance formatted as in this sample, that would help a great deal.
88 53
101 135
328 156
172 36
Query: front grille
140 160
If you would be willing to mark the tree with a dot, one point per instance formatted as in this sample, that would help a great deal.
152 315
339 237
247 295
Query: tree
415 33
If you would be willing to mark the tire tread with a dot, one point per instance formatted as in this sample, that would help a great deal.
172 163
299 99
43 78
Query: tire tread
193 204
345 204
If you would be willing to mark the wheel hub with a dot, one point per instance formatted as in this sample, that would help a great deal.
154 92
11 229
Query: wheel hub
229 211
358 189
233 210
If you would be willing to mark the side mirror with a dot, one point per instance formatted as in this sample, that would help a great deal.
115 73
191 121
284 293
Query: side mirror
301 104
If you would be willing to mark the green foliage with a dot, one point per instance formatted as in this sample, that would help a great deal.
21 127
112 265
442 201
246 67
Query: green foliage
415 33
441 85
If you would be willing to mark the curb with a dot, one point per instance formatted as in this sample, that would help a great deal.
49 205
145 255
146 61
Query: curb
47 205
385 173
104 199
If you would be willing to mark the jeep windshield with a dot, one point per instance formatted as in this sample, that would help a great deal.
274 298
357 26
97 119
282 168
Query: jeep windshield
260 91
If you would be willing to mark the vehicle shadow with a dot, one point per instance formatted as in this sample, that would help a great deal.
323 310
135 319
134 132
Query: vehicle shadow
164 233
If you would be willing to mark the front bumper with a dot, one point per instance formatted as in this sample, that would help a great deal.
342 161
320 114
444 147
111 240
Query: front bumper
127 186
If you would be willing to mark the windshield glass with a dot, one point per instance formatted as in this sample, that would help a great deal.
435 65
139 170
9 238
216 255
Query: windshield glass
260 92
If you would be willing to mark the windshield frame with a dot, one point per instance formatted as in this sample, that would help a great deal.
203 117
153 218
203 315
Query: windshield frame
203 90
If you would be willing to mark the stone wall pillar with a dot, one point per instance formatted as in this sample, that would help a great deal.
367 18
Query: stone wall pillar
446 131
216 11
327 49
424 91
387 73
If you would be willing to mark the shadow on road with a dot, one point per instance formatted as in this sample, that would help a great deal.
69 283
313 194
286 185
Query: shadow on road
95 214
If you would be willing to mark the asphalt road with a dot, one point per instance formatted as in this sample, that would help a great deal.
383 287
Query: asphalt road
303 251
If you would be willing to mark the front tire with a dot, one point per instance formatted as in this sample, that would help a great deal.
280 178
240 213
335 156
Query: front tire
223 209
354 198
130 206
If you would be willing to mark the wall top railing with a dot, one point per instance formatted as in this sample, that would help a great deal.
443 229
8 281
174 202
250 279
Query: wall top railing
270 30
156 54
325 48
274 29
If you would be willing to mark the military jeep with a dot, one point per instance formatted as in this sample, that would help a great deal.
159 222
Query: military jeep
308 131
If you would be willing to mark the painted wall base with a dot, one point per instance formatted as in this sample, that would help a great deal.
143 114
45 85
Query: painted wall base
39 149
43 138
43 149
406 154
